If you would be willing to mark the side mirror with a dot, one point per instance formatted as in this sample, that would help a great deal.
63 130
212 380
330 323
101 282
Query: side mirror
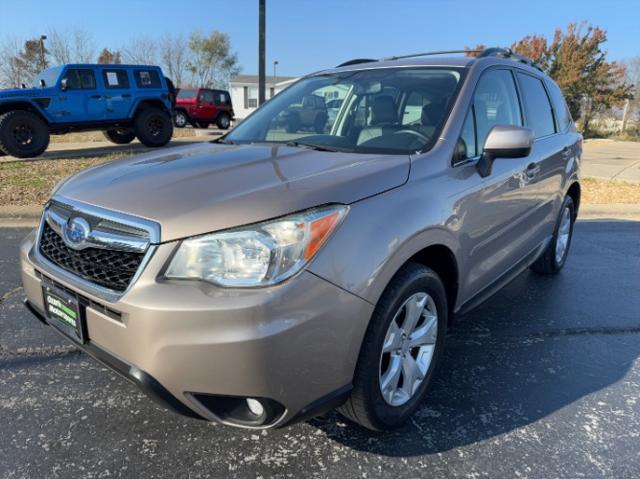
64 84
504 141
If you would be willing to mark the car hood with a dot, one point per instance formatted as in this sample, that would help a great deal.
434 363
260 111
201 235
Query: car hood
12 93
208 187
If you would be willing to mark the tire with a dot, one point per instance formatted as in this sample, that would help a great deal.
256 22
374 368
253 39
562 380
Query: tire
366 405
180 119
223 121
119 136
153 127
202 124
552 260
23 134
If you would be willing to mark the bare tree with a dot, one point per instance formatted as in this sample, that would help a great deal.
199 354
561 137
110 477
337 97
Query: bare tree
11 70
140 50
71 46
174 54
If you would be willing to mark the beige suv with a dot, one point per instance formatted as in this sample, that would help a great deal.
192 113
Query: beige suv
276 273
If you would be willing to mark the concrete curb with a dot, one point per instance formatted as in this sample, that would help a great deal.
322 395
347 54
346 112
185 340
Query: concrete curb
29 215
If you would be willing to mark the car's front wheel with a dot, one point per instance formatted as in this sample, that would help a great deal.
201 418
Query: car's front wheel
153 127
555 256
400 350
23 134
119 136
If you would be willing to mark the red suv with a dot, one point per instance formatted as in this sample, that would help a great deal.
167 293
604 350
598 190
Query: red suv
203 106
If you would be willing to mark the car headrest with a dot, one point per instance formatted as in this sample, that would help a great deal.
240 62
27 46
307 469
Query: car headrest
432 114
383 110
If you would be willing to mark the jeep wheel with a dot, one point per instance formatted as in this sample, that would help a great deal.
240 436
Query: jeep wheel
400 350
223 121
119 136
23 134
180 119
153 127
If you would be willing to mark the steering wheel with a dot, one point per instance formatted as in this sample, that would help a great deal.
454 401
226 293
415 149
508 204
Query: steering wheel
412 132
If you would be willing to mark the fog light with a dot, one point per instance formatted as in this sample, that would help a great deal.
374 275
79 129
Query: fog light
255 407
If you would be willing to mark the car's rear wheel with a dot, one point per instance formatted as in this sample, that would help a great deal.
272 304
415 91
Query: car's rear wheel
119 136
400 350
23 134
202 124
555 256
153 127
180 119
223 121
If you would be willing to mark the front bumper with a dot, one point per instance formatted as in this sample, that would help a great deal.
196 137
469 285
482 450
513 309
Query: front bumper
295 344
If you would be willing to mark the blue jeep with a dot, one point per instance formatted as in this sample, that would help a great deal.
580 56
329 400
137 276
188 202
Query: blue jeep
125 101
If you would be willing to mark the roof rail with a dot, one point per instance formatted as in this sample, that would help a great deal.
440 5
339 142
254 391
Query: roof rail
508 53
355 61
425 54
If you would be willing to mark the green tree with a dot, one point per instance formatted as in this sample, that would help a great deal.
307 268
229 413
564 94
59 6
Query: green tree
212 62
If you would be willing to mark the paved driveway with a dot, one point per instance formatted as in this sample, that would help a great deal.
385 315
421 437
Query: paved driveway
543 381
612 160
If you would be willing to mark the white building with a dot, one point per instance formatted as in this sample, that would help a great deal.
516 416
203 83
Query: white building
244 92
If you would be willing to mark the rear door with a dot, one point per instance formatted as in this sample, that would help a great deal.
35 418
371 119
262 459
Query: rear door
81 101
118 98
497 209
549 154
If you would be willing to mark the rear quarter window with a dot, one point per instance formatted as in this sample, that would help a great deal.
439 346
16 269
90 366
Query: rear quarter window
147 79
537 107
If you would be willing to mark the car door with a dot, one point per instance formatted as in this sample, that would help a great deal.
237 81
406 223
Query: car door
206 106
118 98
81 100
496 210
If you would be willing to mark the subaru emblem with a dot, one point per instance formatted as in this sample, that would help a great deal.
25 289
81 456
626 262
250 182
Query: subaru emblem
75 232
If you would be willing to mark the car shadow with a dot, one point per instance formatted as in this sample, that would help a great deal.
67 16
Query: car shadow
537 346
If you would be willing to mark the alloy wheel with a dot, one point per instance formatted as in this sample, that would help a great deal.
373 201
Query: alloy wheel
564 232
408 349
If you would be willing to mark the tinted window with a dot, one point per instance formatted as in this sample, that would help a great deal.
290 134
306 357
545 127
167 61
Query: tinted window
115 78
222 98
495 103
536 105
563 117
80 79
147 78
186 94
206 96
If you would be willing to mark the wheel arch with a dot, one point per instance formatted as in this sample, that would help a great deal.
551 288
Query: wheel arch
574 192
23 105
149 103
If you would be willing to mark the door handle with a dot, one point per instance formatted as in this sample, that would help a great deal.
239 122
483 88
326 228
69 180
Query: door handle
126 95
532 170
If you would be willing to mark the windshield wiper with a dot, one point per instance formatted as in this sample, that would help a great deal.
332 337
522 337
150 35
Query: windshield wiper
224 141
311 146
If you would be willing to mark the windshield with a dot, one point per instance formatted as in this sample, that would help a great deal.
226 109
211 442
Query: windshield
391 110
50 77
186 94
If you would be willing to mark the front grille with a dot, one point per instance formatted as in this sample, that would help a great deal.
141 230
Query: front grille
111 269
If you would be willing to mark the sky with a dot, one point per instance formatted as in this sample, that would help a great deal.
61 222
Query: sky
307 35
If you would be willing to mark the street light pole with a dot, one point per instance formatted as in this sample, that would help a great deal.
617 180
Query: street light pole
275 64
42 60
261 52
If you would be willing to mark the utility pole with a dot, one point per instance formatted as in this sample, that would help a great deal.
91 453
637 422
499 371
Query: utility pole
625 115
261 52
275 64
43 64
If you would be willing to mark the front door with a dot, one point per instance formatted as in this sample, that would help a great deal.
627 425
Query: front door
81 101
497 210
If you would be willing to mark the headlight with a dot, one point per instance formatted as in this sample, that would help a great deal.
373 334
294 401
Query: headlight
257 255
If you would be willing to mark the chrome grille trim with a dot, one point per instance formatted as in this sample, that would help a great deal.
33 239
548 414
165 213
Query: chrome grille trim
112 223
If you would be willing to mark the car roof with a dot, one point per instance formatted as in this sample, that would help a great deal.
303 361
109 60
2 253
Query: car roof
107 65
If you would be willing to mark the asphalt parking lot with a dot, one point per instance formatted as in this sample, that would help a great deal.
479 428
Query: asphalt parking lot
542 381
